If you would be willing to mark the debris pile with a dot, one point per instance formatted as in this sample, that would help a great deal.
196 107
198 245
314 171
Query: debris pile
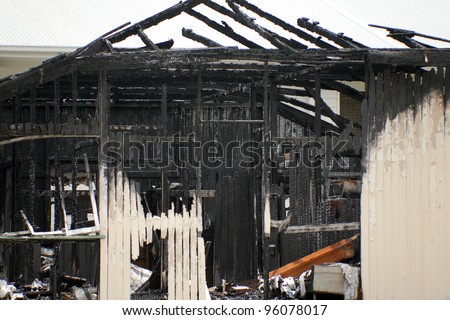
287 288
228 291
47 259
75 288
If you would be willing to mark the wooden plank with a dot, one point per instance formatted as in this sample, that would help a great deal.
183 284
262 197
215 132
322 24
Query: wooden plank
186 257
439 117
201 270
334 253
417 189
447 171
111 258
102 115
117 272
426 135
379 174
401 195
323 228
179 257
193 255
387 191
135 232
144 233
171 255
410 181
371 171
434 245
126 293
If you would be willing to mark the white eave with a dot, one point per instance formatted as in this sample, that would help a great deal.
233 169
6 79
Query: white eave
32 52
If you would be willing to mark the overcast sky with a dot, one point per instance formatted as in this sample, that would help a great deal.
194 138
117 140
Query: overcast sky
75 23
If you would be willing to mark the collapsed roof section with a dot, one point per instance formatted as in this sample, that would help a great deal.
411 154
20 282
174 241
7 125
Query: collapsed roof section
293 57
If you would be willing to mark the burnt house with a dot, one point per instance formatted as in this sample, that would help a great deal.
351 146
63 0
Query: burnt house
152 155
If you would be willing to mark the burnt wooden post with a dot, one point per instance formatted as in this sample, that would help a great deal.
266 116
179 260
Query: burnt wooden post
265 183
74 94
57 102
198 131
17 108
317 100
256 114
32 160
165 193
102 116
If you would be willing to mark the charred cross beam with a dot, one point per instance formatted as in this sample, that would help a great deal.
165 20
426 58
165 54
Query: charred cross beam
188 33
300 33
337 38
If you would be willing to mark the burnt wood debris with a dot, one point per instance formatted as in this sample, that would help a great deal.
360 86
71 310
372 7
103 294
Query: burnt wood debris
197 164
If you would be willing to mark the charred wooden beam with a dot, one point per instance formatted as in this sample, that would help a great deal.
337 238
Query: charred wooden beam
57 101
288 27
109 45
146 40
154 20
97 44
188 33
409 57
344 89
293 43
408 33
74 94
340 121
301 118
266 34
318 105
102 116
226 31
338 38
33 105
408 41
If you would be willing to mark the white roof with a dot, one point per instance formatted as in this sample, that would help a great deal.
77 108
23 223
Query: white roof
68 23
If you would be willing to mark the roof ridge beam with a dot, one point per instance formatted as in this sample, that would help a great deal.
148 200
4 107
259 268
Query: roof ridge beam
286 26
